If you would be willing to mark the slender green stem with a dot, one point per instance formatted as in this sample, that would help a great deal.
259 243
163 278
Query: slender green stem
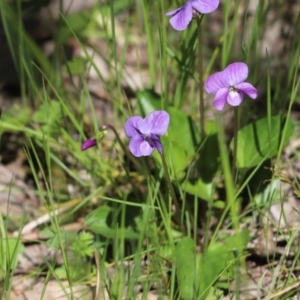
124 148
235 140
171 188
200 68
229 185
3 243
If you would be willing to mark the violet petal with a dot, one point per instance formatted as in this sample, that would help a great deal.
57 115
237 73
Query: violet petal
182 17
215 82
146 149
205 6
88 144
131 125
135 144
173 12
157 143
236 73
235 98
157 123
248 89
220 98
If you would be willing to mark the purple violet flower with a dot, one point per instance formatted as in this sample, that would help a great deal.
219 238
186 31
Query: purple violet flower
145 133
182 16
228 85
88 144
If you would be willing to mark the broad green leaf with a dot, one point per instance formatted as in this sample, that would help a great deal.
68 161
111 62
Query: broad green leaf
148 101
183 130
211 127
215 293
238 240
209 160
166 251
176 158
199 188
75 22
210 268
256 143
77 65
101 221
270 194
185 260
257 180
210 265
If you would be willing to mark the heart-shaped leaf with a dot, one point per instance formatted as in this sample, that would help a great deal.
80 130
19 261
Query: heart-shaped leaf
185 260
101 221
260 140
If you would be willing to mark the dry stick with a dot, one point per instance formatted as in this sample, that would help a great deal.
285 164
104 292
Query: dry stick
201 100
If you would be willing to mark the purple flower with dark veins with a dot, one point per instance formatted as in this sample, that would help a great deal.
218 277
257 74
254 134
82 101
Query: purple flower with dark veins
182 16
88 144
145 133
229 86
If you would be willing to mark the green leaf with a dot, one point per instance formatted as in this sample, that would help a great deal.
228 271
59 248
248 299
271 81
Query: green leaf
75 22
17 113
270 194
176 158
148 101
211 268
199 188
256 143
77 65
209 158
83 246
238 240
185 260
56 238
183 130
49 114
101 221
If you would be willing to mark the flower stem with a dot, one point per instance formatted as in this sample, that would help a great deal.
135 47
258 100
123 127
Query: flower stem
200 66
171 188
125 150
235 140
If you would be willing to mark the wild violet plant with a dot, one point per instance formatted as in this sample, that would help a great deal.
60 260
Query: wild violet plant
144 134
181 17
229 86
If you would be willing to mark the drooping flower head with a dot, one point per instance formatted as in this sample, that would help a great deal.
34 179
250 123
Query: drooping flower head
182 16
229 86
145 133
88 144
